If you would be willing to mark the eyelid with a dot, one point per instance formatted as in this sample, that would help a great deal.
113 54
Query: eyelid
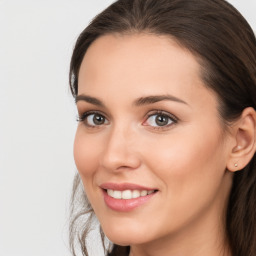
162 112
83 114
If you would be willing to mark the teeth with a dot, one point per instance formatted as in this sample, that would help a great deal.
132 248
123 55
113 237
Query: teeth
128 194
111 192
143 193
117 194
135 193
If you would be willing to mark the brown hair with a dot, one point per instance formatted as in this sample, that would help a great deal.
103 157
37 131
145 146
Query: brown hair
225 46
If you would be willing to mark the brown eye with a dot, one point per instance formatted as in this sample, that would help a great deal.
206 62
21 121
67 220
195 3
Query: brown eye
95 119
98 119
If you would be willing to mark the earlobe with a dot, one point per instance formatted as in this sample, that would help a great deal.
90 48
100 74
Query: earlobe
244 134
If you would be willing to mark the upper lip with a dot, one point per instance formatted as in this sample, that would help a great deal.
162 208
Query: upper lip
124 186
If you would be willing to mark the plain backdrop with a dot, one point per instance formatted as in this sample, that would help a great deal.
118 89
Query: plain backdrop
38 120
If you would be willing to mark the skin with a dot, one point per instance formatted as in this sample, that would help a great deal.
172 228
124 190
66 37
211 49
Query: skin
185 160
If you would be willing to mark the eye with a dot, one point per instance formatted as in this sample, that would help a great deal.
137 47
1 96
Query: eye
160 119
93 119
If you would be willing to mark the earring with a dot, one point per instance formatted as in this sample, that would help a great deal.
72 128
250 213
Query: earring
236 164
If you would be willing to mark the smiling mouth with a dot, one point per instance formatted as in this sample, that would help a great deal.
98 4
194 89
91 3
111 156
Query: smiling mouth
126 197
128 194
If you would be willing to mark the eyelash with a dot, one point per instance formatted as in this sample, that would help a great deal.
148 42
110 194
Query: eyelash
174 120
84 116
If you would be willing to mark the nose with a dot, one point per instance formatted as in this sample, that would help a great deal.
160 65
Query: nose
120 151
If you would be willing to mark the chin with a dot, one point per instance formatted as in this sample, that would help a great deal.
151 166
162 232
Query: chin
125 236
126 240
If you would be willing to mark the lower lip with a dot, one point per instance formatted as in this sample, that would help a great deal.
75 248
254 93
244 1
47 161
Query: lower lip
125 205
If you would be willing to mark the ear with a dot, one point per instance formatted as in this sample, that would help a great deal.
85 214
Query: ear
244 137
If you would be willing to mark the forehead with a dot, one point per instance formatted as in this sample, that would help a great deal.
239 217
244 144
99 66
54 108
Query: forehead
140 64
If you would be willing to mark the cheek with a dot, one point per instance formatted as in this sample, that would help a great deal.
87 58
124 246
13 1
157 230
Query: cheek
190 169
188 163
85 154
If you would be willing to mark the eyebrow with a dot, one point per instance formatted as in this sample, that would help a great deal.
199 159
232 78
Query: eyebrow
156 98
89 99
138 102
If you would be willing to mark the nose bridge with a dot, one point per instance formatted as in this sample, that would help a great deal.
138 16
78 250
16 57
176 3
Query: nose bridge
119 150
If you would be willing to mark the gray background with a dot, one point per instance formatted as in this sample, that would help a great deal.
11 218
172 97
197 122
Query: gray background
37 120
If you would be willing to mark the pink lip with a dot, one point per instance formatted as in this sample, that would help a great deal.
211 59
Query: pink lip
124 186
125 205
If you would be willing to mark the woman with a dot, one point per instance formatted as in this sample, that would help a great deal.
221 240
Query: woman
165 145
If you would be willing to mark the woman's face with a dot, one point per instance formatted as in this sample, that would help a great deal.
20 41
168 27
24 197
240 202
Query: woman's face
149 147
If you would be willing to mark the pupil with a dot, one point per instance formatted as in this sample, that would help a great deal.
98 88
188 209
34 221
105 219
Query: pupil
161 120
97 119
